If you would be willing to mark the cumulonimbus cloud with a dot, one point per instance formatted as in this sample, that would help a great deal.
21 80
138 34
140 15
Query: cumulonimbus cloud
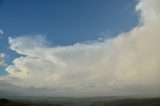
124 65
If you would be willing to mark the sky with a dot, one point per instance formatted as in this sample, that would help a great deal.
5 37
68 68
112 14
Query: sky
79 47
64 22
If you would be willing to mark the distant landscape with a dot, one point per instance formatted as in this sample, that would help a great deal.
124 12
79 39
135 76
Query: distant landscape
92 101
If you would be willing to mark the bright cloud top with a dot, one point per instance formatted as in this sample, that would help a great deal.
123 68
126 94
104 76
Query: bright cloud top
126 64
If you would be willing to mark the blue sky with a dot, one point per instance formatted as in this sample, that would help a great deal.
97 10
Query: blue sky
64 22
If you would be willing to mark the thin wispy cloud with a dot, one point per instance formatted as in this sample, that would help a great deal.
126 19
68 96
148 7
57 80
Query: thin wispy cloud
1 32
2 63
124 65
2 55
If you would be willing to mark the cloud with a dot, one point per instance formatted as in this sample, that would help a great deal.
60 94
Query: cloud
1 32
2 55
125 65
2 61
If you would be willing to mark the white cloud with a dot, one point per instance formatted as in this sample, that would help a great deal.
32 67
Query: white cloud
126 64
